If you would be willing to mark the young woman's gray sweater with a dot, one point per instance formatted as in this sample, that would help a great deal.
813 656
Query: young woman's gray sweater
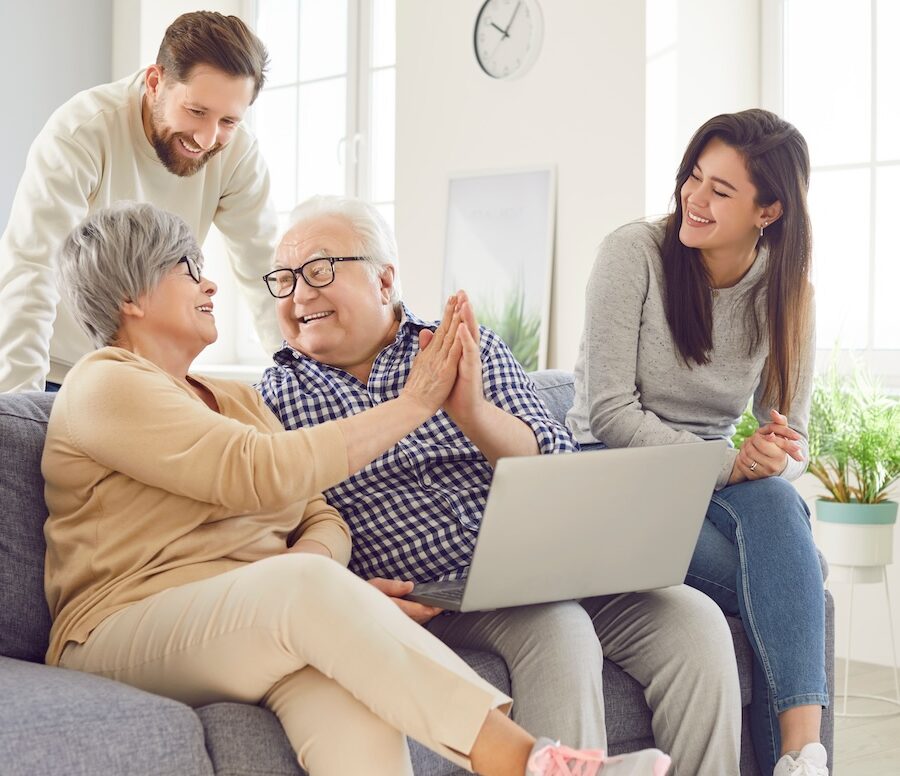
632 386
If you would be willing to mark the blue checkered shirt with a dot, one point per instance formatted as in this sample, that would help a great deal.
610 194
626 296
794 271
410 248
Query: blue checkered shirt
415 510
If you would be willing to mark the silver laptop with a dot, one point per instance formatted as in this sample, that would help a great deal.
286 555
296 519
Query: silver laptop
562 527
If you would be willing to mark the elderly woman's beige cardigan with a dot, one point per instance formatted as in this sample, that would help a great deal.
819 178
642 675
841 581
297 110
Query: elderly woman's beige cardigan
148 488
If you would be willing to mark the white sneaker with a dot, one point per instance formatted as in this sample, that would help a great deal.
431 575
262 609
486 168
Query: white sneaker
812 761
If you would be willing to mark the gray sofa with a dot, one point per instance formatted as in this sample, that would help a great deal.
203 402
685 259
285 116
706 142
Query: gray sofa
54 721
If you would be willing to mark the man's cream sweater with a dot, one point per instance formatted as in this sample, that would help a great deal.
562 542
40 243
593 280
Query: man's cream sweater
91 153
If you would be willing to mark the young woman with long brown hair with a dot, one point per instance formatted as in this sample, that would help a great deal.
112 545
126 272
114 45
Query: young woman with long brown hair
687 319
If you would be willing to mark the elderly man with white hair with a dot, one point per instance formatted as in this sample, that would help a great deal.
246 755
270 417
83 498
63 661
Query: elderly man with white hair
415 511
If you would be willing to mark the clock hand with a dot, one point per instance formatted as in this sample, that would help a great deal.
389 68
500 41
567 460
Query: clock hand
512 18
502 31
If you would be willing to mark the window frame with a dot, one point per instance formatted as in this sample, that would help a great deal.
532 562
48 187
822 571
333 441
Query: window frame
355 143
883 363
240 354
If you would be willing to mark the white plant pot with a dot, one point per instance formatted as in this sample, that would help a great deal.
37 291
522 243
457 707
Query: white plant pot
860 535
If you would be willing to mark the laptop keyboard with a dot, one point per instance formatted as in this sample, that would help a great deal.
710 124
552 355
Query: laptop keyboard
450 590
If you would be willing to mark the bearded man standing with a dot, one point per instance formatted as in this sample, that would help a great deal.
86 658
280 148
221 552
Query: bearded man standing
171 135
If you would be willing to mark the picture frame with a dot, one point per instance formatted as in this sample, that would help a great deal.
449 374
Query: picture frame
499 248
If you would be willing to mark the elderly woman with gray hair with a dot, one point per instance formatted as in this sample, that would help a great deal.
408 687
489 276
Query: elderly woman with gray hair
190 552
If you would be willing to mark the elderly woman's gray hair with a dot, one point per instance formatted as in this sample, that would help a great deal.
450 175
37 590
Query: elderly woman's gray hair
116 255
376 240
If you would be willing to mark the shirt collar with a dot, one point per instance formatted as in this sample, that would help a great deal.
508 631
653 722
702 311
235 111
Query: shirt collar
410 324
410 321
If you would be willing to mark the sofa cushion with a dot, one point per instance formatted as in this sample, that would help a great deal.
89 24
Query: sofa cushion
24 618
58 721
245 740
556 388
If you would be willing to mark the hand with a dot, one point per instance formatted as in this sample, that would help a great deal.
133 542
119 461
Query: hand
765 453
466 399
434 369
394 588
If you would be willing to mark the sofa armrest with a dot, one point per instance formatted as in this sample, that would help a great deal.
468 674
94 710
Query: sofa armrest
57 721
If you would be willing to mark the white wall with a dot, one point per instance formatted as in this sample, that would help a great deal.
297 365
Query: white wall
580 108
44 65
703 59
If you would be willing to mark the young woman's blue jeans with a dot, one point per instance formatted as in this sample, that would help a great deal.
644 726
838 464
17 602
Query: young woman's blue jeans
756 558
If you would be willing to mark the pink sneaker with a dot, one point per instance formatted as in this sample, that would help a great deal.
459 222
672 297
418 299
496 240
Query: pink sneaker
551 759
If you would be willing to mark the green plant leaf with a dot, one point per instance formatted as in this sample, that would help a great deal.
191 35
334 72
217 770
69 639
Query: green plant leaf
518 328
744 428
854 436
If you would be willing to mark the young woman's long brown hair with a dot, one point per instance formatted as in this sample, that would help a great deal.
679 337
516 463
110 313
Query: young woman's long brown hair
777 160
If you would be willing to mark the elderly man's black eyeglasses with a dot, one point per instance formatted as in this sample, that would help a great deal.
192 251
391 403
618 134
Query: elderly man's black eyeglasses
193 267
316 273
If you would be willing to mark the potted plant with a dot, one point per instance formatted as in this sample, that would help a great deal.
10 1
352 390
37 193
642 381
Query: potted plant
519 328
854 451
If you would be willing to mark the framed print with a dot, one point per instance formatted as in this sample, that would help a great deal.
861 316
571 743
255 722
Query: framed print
499 249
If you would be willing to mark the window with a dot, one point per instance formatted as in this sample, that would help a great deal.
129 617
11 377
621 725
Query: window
324 121
837 83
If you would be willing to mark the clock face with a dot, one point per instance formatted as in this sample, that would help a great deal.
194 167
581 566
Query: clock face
508 36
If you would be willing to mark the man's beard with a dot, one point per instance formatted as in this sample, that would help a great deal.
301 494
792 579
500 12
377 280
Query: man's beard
164 141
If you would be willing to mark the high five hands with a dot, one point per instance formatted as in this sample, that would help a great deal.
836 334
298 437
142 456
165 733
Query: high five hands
434 371
765 453
465 402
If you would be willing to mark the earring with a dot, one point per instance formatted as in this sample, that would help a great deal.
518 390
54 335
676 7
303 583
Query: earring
764 225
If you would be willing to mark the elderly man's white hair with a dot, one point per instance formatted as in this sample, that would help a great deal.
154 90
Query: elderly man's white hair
376 240
116 255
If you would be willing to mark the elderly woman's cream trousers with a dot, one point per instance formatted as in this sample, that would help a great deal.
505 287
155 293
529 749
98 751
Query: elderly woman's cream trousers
346 672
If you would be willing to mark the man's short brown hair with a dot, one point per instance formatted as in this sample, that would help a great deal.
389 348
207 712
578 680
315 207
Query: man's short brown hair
210 38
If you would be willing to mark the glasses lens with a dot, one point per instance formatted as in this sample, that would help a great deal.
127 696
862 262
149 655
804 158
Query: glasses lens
280 282
193 268
318 273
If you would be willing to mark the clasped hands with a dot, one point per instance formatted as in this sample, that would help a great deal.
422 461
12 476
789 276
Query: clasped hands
765 453
447 372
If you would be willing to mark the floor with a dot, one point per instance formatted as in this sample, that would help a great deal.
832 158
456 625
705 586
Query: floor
866 747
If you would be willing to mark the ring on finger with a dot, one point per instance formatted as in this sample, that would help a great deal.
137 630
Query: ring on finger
753 465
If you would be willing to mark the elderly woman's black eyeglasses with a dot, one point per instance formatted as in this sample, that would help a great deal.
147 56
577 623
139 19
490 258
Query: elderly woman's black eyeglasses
193 267
316 273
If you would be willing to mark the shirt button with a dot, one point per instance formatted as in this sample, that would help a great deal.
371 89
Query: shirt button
426 480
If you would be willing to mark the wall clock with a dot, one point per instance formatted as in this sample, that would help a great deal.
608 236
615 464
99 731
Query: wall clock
508 36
